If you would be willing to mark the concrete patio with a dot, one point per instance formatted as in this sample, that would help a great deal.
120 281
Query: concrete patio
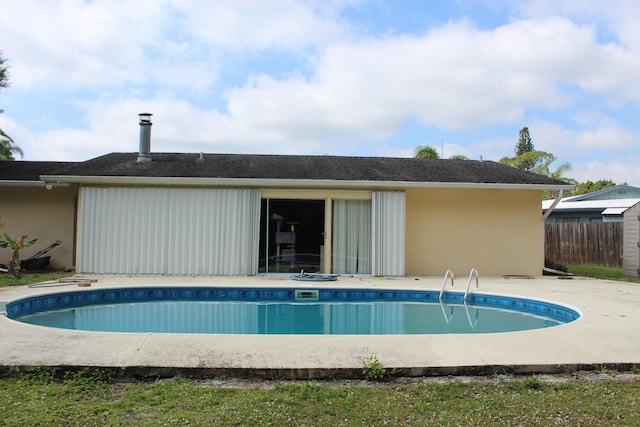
607 336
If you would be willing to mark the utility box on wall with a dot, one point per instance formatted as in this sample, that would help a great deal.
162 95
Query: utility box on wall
631 248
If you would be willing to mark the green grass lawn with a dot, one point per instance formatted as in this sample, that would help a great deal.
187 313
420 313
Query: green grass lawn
600 272
91 399
29 278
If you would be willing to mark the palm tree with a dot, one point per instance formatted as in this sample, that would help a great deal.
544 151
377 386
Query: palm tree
7 146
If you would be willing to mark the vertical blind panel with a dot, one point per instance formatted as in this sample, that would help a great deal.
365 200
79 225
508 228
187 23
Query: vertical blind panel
351 248
187 231
388 219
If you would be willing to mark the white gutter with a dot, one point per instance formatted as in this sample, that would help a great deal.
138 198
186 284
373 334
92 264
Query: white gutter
286 183
19 183
553 205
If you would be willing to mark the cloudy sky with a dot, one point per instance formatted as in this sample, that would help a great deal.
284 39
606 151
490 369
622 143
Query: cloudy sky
338 77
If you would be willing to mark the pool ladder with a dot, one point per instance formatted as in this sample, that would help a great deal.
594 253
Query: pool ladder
449 274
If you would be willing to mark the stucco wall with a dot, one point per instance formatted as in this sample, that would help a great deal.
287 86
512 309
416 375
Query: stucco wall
496 231
47 215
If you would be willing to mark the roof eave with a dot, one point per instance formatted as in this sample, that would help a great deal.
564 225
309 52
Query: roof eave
25 183
285 183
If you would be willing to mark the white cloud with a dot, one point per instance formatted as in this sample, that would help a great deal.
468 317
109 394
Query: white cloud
622 170
336 91
568 144
260 25
175 43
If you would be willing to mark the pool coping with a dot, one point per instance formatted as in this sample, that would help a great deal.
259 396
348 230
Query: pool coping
606 336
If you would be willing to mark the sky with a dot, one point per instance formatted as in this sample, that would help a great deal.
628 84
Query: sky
327 77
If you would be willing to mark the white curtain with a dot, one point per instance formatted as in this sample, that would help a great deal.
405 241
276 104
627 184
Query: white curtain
351 249
175 231
388 216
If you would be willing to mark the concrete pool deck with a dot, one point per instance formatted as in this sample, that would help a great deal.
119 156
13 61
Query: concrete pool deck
607 336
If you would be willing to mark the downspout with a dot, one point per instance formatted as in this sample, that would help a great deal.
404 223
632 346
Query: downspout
552 207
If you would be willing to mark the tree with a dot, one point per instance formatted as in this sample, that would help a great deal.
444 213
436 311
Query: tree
525 157
15 245
524 144
538 162
7 146
590 186
426 152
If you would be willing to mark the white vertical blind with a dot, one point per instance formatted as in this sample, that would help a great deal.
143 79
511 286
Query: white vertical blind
388 217
185 231
351 235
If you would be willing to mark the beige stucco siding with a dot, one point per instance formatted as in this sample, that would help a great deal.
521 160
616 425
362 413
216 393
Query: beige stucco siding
47 215
496 231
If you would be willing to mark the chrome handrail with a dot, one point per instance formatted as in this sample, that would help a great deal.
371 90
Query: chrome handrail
474 271
444 282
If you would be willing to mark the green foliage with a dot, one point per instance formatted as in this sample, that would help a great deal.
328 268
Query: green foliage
600 272
374 370
426 152
39 375
590 186
525 144
530 402
15 245
4 72
609 371
530 161
7 146
539 162
534 383
30 278
94 381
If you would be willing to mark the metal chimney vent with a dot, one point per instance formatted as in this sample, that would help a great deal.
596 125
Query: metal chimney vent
144 154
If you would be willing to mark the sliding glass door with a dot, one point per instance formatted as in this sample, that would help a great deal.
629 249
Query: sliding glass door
292 236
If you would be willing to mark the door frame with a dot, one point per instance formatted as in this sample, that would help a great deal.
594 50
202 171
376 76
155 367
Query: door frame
328 196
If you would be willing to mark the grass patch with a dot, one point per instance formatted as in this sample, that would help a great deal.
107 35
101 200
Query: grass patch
527 402
28 278
600 272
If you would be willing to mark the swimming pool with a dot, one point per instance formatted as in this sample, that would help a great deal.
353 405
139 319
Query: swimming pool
308 311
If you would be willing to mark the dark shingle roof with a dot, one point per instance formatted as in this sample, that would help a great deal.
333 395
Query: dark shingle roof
28 171
373 169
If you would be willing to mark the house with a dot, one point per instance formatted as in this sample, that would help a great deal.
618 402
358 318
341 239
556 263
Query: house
29 207
237 214
607 205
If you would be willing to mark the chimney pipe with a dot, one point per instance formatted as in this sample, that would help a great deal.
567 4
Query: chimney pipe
144 154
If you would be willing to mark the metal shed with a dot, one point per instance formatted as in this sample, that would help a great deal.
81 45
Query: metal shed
631 251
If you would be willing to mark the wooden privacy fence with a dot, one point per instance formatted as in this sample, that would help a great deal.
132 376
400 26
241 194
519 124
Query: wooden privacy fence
595 243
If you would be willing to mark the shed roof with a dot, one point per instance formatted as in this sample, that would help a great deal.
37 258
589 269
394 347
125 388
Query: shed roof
591 205
121 167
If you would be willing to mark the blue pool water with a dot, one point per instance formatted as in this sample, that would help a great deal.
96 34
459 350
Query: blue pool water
285 311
